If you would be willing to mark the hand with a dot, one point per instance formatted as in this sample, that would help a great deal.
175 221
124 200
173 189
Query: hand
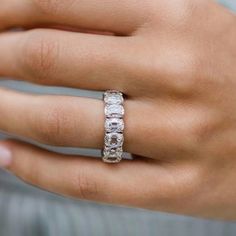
175 61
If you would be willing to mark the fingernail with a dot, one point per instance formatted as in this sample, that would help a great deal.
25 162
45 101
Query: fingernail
5 156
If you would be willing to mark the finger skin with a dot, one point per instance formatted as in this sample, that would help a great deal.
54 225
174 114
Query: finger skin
62 120
188 49
80 177
79 122
54 57
121 17
140 183
55 120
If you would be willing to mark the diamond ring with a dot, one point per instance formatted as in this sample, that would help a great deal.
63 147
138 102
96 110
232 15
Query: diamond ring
114 126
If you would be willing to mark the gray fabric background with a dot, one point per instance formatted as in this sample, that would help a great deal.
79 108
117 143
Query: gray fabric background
27 211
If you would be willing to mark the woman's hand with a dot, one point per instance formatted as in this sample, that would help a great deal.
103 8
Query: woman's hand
175 61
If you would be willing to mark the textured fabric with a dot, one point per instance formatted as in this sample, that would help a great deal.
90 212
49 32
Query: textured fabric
27 211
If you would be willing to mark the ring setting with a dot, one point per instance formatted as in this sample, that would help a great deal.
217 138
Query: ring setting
114 126
114 110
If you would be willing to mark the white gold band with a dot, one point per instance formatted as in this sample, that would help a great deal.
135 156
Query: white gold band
114 126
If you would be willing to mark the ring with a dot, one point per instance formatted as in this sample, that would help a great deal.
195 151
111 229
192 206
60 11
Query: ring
114 126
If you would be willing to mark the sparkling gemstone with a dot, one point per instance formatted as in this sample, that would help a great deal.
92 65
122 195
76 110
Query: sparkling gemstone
114 125
113 97
114 111
112 154
114 140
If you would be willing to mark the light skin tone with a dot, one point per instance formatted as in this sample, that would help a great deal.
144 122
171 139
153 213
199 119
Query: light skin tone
176 63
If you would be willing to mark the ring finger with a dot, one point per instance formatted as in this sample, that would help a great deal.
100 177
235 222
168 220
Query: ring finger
61 120
79 122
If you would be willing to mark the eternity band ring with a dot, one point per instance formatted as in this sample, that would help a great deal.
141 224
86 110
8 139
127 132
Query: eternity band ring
114 126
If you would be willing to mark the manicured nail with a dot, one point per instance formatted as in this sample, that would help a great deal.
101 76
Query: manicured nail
5 156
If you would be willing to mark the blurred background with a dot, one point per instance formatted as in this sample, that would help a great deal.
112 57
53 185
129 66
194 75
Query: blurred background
27 211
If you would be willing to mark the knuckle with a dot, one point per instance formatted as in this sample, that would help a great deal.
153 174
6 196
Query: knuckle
53 7
51 127
47 6
86 187
40 54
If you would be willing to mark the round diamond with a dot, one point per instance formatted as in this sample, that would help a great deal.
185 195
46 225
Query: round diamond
113 97
114 125
114 111
114 140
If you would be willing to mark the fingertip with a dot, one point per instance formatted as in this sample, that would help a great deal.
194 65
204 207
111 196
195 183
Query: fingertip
5 155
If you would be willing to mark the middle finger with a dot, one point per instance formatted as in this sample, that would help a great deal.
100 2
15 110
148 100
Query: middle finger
54 57
114 16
